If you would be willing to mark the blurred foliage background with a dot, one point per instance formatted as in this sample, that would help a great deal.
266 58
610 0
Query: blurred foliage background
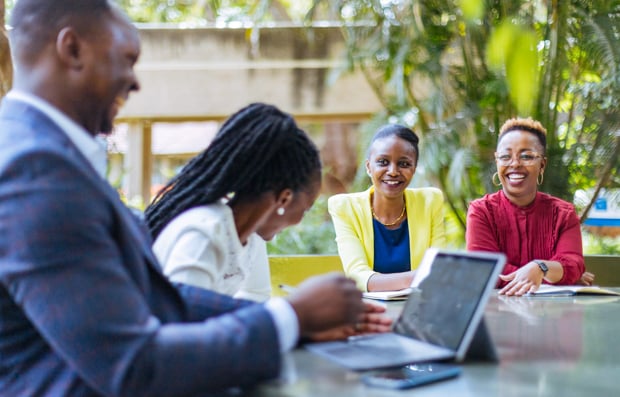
454 71
479 63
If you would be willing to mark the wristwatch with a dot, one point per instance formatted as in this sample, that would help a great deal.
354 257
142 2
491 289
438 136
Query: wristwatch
542 266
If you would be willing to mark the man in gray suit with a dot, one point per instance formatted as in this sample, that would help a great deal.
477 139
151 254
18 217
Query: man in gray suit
84 309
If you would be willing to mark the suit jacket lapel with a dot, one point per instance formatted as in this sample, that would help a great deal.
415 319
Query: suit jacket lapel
54 134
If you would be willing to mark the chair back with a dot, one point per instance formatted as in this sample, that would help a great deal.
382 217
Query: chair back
293 269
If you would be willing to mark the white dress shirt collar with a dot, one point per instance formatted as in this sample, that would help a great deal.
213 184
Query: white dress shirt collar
92 148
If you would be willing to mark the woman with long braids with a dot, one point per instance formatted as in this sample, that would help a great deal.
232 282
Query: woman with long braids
260 174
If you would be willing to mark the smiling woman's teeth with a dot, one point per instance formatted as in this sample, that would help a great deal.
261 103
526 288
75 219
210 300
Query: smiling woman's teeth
516 177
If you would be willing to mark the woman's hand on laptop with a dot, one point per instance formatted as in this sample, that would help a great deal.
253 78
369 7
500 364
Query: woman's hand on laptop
325 302
373 320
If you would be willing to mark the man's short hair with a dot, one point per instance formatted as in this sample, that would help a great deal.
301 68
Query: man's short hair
37 22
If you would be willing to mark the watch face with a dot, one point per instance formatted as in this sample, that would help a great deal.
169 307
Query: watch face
543 267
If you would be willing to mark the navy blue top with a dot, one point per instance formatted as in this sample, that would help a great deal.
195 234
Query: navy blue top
391 248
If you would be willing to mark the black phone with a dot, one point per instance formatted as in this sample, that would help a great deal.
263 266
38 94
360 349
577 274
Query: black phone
411 375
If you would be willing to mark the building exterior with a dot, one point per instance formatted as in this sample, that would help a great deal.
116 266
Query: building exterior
205 74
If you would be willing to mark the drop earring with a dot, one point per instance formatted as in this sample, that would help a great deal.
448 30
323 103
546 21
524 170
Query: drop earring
280 211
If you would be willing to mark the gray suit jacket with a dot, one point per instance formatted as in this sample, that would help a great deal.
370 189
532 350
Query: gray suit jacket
84 308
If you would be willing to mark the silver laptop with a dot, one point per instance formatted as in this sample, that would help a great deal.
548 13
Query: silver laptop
439 319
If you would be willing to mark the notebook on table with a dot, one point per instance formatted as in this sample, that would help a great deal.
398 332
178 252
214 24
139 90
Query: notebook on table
439 319
571 290
399 295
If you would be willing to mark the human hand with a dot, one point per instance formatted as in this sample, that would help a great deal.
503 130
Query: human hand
371 321
390 281
587 278
326 302
523 280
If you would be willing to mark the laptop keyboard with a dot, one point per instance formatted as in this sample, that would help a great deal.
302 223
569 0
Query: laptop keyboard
374 346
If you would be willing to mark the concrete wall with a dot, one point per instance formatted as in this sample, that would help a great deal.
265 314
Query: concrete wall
211 72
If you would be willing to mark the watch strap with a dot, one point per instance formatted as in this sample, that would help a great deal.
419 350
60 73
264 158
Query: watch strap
542 266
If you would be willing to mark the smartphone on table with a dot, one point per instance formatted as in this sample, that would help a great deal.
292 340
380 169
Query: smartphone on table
411 375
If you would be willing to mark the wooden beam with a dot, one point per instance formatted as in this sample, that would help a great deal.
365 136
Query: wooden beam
300 118
138 164
147 161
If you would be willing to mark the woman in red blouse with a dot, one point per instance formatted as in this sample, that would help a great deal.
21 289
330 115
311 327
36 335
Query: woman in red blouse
540 234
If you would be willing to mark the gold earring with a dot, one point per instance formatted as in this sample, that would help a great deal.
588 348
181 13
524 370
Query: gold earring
499 181
540 178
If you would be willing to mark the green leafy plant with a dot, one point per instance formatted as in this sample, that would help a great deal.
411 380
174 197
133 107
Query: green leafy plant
313 235
455 71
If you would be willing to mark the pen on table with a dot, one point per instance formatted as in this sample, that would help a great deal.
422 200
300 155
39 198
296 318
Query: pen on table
287 288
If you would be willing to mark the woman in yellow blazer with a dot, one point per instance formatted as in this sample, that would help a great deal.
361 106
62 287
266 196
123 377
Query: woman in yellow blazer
383 232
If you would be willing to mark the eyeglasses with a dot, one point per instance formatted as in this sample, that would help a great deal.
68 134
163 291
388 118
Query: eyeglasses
524 158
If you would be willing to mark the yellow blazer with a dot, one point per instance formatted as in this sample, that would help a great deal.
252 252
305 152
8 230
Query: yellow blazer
354 232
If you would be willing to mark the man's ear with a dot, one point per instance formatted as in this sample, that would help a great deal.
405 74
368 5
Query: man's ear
69 48
284 198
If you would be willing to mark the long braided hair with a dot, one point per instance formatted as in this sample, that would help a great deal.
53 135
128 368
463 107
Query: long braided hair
257 150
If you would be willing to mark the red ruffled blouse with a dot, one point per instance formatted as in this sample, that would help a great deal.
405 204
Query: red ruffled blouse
547 229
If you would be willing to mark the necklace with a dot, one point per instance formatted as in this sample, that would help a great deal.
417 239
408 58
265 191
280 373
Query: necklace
400 217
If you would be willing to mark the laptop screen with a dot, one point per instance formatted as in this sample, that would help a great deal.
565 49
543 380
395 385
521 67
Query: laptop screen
446 296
